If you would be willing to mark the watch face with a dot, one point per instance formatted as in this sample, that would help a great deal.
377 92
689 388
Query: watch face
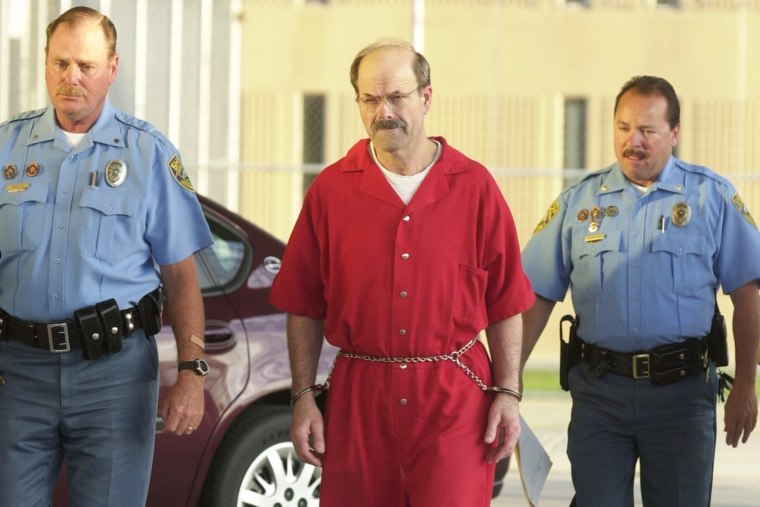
201 367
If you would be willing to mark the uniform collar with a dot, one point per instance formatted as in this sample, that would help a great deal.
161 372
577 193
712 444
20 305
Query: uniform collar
670 179
106 130
103 131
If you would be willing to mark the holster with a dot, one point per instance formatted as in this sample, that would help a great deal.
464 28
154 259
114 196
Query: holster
570 351
717 342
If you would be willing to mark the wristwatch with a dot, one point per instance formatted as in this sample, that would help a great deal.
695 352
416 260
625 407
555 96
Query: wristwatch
199 366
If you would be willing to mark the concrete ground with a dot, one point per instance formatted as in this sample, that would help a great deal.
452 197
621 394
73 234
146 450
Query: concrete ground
737 471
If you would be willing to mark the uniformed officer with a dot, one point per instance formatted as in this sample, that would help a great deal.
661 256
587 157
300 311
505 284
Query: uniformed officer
92 201
643 245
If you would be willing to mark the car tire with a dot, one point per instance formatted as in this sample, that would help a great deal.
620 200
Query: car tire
256 465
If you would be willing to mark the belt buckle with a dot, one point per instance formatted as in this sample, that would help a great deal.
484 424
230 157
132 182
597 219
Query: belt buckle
640 366
58 338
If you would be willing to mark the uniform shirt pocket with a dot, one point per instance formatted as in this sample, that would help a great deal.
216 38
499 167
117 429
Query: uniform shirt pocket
597 263
109 229
469 306
683 261
23 217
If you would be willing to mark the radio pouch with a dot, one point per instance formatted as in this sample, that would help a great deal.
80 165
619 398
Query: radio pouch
717 342
569 351
113 326
91 345
150 306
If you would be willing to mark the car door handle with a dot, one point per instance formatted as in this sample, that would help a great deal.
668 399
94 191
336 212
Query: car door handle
219 335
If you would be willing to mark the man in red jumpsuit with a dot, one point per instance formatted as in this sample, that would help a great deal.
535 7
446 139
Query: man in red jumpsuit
404 251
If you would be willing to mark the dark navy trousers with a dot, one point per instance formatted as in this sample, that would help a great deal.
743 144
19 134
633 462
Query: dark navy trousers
97 415
617 421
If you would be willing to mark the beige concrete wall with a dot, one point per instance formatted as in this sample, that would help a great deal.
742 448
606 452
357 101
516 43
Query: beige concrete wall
501 71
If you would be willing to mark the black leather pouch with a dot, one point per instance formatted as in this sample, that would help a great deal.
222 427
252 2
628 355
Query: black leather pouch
91 345
150 307
113 329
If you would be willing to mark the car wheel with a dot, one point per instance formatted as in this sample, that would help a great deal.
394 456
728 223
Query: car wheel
256 465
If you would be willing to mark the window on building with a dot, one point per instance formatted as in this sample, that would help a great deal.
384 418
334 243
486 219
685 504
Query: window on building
574 157
313 135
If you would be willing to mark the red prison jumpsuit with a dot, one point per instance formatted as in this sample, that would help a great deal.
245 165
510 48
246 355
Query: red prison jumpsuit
392 280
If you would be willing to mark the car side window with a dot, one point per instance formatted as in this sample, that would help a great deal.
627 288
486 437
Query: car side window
223 266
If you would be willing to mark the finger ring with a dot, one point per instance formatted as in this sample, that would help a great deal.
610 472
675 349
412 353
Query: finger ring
190 428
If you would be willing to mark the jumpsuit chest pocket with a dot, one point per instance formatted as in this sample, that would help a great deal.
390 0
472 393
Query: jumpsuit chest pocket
683 261
22 215
108 226
597 262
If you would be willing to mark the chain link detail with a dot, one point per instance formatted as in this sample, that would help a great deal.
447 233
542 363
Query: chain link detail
454 357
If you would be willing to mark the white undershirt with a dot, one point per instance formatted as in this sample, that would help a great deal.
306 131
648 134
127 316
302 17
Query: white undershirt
75 137
406 186
642 189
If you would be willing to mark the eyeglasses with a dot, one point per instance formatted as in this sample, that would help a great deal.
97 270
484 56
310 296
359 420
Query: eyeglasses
395 100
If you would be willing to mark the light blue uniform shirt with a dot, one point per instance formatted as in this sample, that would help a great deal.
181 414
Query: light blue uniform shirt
646 273
66 243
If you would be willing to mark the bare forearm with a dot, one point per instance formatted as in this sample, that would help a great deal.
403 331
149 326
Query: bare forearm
505 343
534 322
746 326
305 337
184 307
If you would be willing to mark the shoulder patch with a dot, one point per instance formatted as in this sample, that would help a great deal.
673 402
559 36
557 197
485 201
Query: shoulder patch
178 171
743 209
550 214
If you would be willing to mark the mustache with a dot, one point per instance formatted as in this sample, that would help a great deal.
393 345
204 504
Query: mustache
69 91
637 152
387 125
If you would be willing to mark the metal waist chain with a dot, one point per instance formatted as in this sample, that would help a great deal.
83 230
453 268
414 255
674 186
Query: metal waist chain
454 357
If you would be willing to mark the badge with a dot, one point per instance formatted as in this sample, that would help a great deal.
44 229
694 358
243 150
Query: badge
583 215
743 209
681 214
32 169
596 218
9 171
612 211
116 172
175 166
550 214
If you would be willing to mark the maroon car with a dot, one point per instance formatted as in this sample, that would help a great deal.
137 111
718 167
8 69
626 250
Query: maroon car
241 454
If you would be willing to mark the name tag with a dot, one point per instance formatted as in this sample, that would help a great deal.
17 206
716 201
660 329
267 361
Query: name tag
18 187
593 238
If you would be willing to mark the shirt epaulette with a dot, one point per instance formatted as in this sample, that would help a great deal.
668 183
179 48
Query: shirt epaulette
588 176
144 126
26 115
703 171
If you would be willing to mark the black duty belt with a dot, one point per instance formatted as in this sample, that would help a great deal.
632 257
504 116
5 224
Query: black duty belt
102 321
662 365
